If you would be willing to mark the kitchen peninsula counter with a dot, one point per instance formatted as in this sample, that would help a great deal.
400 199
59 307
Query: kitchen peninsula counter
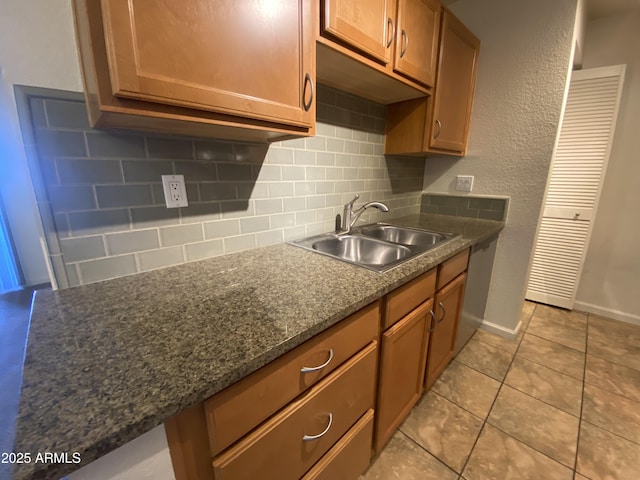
109 361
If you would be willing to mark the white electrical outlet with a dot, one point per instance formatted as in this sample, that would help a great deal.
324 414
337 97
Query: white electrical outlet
464 183
175 193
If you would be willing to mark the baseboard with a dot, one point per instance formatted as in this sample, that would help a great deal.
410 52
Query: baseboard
500 330
607 312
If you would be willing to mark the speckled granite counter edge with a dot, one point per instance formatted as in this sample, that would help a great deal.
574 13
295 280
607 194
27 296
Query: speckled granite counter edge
366 287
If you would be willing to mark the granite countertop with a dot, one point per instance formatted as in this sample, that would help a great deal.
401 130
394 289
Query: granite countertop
109 361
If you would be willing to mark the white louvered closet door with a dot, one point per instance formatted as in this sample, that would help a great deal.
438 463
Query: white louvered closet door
573 189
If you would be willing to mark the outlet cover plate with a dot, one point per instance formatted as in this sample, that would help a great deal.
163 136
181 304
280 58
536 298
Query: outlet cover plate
464 183
175 192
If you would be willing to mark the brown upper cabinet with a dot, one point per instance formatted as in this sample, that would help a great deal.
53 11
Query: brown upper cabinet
383 50
242 70
366 25
416 50
439 124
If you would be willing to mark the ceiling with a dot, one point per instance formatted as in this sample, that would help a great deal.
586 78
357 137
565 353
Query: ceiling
598 8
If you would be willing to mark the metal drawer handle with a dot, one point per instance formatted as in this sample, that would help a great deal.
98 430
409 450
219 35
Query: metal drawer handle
307 80
319 367
433 323
306 438
405 43
439 125
444 312
393 31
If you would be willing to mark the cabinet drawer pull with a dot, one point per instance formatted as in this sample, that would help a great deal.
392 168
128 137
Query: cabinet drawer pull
319 367
439 125
307 438
405 43
433 322
444 312
309 81
393 31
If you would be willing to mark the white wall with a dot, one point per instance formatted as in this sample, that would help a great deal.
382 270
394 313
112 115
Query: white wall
611 275
37 48
523 66
145 458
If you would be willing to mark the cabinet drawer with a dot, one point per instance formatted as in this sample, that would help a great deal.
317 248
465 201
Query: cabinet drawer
236 410
278 450
348 458
404 299
453 267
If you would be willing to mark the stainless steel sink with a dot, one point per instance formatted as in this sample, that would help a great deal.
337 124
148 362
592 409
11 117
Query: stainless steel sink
361 250
378 247
404 235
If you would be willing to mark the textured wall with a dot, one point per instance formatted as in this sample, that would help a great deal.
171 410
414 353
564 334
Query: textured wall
524 61
609 282
103 191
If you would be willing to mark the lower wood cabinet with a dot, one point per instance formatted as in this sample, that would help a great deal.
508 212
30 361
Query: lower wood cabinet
293 440
403 358
448 303
348 458
320 411
309 412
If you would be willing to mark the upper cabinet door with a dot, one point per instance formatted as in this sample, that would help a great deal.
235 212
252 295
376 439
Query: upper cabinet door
249 58
454 90
417 32
367 25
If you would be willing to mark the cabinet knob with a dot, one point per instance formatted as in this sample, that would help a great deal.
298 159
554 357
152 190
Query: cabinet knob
405 43
307 81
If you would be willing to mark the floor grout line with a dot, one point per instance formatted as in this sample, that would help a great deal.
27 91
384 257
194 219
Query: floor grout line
486 419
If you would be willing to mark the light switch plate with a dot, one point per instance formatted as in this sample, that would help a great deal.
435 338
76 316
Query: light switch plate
175 192
464 183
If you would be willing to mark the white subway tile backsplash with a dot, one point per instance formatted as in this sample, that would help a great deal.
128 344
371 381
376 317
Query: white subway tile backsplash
266 207
134 241
221 229
239 243
304 188
241 195
254 224
280 189
305 217
206 249
293 173
316 173
294 204
283 220
271 237
163 257
280 156
269 173
179 235
304 157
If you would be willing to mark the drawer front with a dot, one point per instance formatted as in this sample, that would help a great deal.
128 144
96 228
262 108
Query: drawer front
453 267
406 298
238 409
348 458
277 450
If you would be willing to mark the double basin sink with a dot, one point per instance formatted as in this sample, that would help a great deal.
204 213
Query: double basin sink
378 247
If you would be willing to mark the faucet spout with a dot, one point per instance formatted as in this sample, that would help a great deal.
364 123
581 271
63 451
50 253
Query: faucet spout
351 216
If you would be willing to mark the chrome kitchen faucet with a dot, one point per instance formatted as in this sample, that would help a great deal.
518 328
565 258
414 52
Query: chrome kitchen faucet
350 216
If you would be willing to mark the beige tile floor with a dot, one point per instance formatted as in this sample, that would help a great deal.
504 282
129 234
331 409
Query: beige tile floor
561 401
